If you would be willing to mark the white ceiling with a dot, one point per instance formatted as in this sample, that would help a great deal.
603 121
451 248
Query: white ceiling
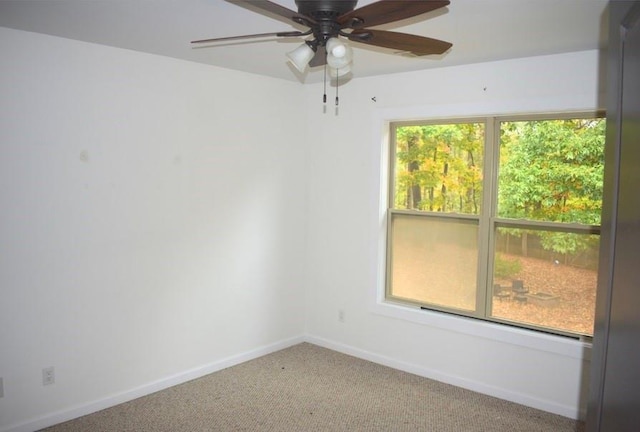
480 30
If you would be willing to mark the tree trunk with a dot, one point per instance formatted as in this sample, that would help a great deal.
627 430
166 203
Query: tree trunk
414 193
445 171
472 164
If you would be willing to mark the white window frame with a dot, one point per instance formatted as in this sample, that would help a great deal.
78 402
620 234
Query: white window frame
579 348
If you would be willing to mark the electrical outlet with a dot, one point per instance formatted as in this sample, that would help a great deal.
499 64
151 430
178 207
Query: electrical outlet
340 315
1 388
48 376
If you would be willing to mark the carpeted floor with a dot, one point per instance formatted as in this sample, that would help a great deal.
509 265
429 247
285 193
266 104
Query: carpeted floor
308 388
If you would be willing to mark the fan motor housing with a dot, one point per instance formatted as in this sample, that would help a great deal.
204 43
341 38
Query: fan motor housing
325 9
325 13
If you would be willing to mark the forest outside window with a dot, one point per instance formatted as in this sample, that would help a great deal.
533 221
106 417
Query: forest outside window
498 219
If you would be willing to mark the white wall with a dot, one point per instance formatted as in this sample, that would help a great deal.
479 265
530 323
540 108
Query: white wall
152 223
346 230
162 219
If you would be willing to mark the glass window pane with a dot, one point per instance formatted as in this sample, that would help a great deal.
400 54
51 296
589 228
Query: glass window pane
434 261
552 170
546 279
438 168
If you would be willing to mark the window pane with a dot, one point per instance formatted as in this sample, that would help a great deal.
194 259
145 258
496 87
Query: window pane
547 279
552 170
438 168
434 261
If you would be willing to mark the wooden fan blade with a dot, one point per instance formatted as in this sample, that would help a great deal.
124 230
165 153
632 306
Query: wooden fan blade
320 58
386 11
273 8
418 45
253 36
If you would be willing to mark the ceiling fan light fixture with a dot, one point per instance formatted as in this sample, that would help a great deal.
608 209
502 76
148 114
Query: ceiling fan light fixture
301 56
336 48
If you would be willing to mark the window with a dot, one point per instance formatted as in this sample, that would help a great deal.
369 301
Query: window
498 219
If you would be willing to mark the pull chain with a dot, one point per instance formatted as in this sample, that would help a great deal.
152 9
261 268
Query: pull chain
337 85
324 96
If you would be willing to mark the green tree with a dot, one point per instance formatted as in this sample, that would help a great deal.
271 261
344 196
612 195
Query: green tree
439 167
553 171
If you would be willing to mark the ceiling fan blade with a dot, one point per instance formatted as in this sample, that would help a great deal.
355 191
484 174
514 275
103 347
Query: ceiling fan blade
275 9
320 58
386 11
252 36
418 45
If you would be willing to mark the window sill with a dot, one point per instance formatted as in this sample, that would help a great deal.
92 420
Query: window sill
539 341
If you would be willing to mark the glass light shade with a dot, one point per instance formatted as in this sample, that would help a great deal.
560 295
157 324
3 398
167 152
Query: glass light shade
301 56
336 48
340 62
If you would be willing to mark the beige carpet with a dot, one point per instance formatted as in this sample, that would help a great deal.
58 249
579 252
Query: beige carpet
309 388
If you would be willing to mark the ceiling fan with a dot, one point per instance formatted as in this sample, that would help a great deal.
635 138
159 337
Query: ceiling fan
330 20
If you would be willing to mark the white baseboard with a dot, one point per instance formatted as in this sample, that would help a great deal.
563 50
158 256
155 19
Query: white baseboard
170 381
501 393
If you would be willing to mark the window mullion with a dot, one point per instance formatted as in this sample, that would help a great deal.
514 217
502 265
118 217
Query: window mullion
487 229
549 226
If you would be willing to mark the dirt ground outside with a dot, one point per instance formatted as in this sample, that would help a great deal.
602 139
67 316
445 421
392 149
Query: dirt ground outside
445 275
574 288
